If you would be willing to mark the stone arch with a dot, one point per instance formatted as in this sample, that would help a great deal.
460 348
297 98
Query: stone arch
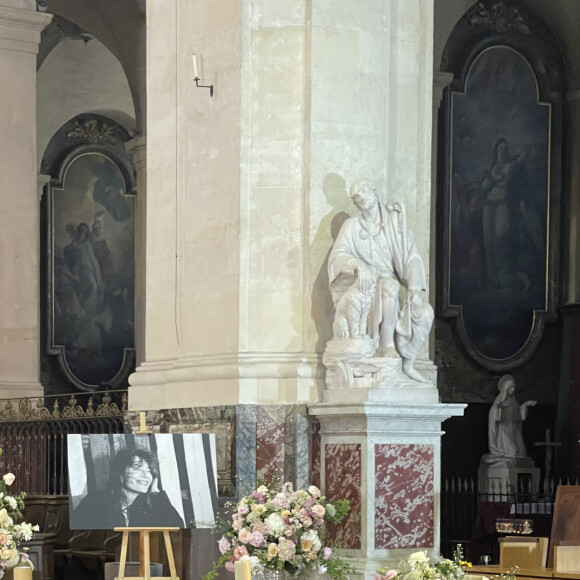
118 26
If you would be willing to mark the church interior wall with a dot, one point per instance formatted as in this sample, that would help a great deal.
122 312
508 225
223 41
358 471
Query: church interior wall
249 191
545 377
80 77
193 168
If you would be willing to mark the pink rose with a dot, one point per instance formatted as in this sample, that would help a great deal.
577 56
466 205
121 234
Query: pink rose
229 566
389 575
224 545
257 539
326 554
243 509
240 551
318 510
244 536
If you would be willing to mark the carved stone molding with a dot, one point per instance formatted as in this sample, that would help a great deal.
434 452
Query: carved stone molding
93 131
499 17
20 29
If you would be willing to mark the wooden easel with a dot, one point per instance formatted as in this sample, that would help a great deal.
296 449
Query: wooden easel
144 543
145 554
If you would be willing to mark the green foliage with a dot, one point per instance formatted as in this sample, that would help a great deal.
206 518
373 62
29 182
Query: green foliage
338 569
341 509
214 570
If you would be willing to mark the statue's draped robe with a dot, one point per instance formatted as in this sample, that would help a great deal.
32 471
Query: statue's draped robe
391 253
505 426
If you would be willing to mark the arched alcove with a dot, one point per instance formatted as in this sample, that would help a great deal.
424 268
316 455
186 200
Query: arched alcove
118 26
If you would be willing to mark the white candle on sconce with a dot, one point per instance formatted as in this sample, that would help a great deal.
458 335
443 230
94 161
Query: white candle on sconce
195 66
22 573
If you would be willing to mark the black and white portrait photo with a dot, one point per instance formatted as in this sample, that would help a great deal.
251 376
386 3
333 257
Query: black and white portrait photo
142 480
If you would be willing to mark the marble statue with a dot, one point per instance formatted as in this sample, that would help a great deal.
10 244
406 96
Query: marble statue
374 255
506 416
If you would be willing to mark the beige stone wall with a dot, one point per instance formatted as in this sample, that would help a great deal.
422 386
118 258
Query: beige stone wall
193 161
371 117
274 168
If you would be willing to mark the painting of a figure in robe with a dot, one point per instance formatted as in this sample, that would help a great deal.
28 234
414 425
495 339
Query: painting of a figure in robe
93 268
499 203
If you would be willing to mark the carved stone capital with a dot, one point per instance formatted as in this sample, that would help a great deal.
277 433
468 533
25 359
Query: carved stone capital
137 147
20 28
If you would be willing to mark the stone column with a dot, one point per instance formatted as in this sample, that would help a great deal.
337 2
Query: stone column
225 295
138 148
20 28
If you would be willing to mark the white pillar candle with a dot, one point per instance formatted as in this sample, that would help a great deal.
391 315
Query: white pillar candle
23 573
242 570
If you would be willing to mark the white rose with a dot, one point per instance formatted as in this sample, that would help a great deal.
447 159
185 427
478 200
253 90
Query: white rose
275 524
9 478
418 559
313 490
312 537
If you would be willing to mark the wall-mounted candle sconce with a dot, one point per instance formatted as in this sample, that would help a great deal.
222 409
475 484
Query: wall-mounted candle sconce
197 79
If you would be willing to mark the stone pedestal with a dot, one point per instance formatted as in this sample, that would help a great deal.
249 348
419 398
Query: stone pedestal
497 481
381 449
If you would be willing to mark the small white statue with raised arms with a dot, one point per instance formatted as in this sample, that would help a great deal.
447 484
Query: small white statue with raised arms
506 417
374 255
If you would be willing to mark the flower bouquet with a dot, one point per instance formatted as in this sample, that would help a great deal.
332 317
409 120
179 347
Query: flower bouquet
419 567
280 529
11 533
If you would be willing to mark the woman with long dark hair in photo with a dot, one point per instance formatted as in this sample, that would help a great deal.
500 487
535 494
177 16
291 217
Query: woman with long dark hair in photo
134 497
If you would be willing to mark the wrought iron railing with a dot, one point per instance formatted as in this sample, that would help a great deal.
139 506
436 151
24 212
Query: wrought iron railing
469 515
33 434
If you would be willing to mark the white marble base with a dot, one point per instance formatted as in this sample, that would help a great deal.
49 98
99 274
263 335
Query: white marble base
504 480
353 364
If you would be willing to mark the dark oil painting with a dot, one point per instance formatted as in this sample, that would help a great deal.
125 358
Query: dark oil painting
498 211
93 268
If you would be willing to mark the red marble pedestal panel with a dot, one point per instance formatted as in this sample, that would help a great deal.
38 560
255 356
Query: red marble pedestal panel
404 496
343 481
